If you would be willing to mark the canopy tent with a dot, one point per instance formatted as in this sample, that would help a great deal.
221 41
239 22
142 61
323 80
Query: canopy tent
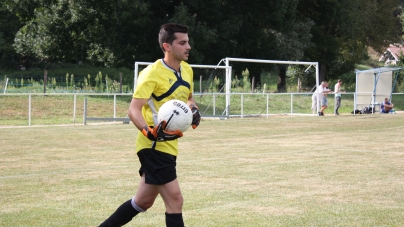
374 85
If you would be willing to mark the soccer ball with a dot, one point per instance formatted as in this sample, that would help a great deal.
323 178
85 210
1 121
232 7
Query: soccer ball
177 114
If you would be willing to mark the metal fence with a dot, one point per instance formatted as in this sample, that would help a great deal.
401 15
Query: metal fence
46 109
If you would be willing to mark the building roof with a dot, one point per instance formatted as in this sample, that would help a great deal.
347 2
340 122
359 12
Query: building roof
392 52
396 51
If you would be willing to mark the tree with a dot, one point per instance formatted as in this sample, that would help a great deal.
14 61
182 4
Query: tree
101 32
258 29
344 29
9 25
335 33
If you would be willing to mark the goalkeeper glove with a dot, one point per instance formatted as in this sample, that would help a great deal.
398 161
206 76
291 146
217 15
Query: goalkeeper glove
196 116
159 134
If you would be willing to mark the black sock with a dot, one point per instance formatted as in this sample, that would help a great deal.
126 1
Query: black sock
174 220
121 216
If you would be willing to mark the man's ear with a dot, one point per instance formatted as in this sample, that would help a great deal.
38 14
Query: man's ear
166 46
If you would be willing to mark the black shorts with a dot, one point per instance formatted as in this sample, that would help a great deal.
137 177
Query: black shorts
158 167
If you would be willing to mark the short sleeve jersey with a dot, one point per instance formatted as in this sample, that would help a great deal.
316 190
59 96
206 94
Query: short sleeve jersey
160 83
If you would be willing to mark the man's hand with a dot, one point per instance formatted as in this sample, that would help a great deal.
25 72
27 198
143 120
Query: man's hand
159 134
196 116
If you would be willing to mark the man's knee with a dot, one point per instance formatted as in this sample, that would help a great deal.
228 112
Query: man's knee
174 203
178 200
144 204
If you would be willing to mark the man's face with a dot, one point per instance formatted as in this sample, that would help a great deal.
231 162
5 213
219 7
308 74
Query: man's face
180 47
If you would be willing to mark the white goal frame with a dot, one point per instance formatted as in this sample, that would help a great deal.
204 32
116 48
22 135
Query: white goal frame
227 61
228 69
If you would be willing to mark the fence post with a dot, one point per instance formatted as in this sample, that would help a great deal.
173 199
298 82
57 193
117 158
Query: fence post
291 104
114 105
252 84
29 110
74 110
267 105
85 112
241 105
45 79
5 86
214 104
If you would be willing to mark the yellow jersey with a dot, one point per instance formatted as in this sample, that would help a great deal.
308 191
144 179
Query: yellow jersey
159 83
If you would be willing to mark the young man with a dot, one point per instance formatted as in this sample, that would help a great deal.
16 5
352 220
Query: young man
386 106
166 79
337 90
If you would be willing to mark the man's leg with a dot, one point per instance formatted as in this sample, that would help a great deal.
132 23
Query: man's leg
337 104
173 200
324 105
143 200
322 110
314 103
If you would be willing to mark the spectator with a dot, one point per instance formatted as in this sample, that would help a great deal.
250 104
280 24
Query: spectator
337 91
386 106
321 95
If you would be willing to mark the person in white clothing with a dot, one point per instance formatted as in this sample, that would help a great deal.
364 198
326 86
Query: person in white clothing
321 95
337 91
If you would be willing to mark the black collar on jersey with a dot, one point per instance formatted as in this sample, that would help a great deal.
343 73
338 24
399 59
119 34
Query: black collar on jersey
178 74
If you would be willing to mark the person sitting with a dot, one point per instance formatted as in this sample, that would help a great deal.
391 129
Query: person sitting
386 106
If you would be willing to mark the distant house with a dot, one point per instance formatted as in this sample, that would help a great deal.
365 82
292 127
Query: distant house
390 56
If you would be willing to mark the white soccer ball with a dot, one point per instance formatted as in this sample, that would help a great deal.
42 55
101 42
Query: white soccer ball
177 114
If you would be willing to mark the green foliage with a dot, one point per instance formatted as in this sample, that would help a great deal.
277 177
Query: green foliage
214 86
77 79
235 82
9 25
246 81
342 35
400 78
117 33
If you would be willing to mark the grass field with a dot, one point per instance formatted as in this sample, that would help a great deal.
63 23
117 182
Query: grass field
281 171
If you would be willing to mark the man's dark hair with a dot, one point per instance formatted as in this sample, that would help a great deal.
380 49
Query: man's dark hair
166 34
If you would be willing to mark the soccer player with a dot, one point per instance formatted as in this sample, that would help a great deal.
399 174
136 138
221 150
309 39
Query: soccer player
166 79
